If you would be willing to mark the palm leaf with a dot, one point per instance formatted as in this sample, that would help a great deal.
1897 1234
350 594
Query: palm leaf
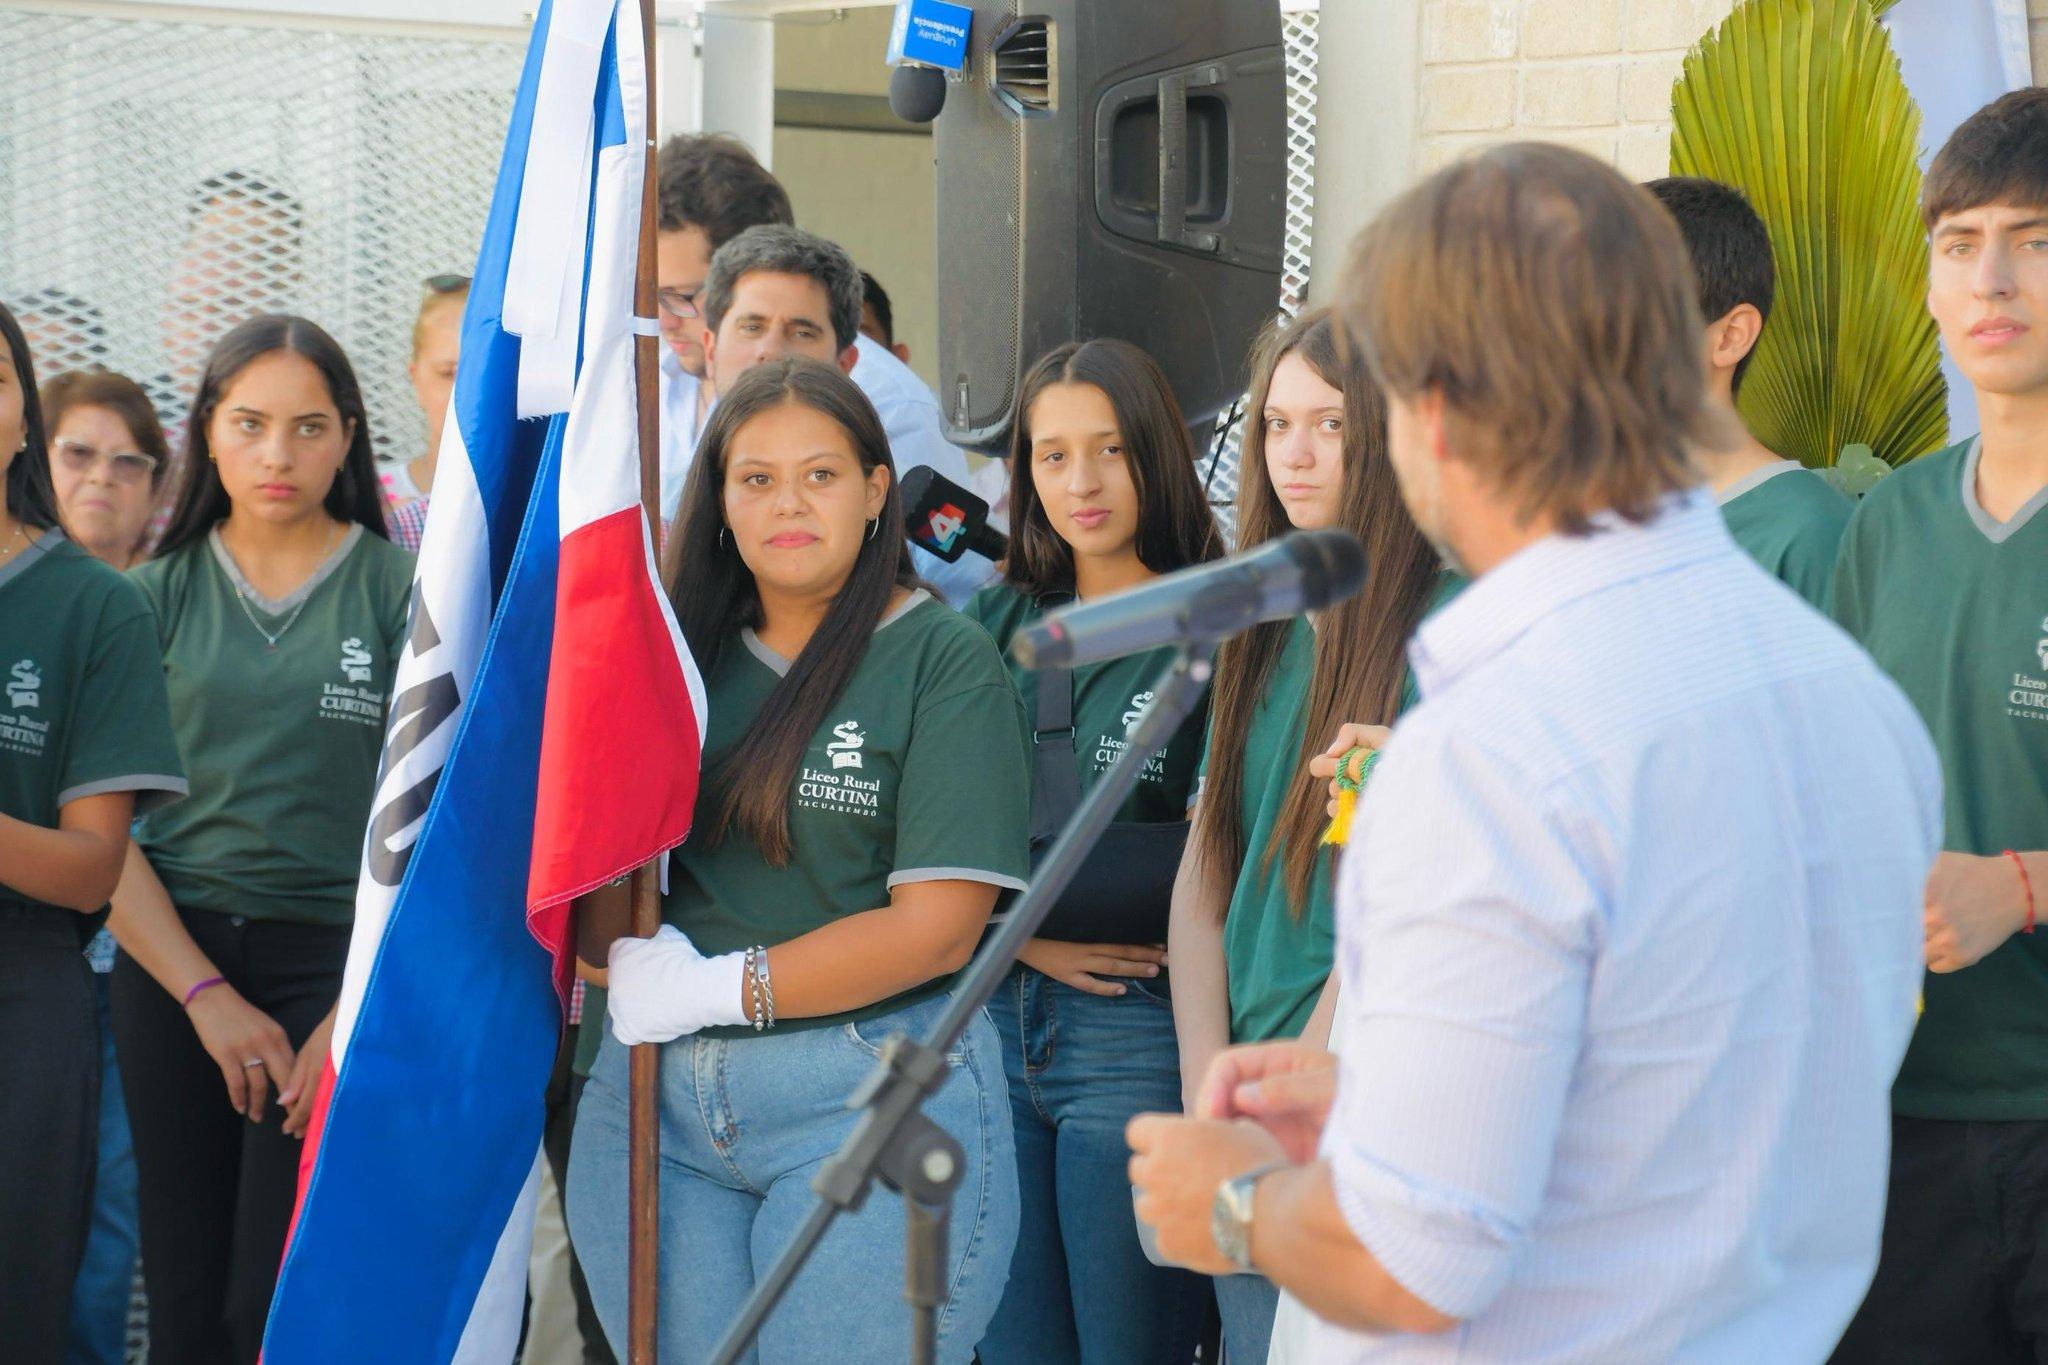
1800 104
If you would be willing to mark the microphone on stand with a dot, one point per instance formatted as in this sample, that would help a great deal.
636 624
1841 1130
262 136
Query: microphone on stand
945 519
1298 572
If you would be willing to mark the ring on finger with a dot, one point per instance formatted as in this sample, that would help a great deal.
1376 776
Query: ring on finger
253 1061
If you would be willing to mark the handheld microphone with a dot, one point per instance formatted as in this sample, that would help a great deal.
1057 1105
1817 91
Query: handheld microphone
944 518
927 43
1299 572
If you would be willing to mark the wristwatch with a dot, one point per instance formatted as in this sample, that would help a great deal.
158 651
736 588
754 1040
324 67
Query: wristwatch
1230 1220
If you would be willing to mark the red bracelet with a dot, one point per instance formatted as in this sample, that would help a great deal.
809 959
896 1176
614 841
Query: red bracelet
2026 882
213 981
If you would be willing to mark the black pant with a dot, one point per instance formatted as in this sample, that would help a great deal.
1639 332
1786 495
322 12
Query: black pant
49 1127
1963 1277
565 1087
215 1190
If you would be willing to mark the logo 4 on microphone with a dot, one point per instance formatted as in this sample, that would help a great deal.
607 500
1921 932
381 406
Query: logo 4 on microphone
944 525
942 517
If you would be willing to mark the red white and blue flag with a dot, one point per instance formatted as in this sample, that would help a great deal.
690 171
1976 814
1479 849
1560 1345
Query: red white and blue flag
544 738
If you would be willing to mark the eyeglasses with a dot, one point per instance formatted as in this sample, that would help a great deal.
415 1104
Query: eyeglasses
679 303
444 284
129 466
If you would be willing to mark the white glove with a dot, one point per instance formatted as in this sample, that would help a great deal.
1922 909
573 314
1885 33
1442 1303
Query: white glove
663 988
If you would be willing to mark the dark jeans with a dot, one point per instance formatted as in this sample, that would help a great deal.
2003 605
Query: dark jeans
49 1127
216 1191
1963 1276
1080 1067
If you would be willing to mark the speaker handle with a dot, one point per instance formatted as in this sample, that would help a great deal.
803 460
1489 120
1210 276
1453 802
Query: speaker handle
1173 158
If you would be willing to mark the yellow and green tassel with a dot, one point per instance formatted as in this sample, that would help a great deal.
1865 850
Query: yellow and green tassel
1349 783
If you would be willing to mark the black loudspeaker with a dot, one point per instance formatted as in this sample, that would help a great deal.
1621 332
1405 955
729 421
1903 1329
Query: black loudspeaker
1109 168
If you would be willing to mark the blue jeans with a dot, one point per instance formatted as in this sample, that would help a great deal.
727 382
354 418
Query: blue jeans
745 1125
1080 1066
1248 1304
99 1298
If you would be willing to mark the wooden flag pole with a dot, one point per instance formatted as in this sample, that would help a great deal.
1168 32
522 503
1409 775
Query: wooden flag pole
643 1277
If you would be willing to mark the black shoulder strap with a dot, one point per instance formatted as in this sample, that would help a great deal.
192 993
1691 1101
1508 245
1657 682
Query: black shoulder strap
1055 774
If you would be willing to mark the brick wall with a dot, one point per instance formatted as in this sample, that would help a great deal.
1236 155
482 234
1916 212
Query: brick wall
1595 74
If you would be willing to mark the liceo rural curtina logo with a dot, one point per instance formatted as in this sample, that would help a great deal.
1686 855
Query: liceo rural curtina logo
1137 711
2028 698
845 749
24 685
355 660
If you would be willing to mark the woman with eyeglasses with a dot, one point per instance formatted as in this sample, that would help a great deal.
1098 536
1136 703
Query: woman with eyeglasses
85 738
108 461
436 346
280 612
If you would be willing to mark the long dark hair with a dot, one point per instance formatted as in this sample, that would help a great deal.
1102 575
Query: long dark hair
1175 526
202 499
714 594
1360 659
31 496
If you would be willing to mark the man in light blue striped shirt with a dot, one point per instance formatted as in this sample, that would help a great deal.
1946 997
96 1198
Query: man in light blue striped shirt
1629 931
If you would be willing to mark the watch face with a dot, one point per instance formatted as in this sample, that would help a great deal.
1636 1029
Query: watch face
1230 1220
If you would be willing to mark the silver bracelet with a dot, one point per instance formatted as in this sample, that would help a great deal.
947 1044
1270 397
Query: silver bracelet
749 969
765 985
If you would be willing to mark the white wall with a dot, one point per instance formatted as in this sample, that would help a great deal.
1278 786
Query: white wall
873 193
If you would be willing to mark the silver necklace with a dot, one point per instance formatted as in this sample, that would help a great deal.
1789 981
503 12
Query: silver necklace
20 534
270 640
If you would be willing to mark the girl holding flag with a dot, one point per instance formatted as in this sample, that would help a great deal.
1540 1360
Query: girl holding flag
864 801
1252 933
280 607
1104 497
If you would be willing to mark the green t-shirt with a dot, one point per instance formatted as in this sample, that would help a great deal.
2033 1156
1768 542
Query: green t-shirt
1107 699
1954 606
916 774
82 707
1277 962
1790 520
281 742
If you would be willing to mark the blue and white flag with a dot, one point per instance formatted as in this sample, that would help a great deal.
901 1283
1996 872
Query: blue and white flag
415 1215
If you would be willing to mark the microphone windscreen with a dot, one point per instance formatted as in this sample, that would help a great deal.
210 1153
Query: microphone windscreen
916 93
1332 565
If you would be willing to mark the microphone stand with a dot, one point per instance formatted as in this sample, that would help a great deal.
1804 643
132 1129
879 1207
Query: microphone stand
893 1139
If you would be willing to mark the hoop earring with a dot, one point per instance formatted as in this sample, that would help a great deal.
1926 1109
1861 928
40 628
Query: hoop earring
873 522
721 537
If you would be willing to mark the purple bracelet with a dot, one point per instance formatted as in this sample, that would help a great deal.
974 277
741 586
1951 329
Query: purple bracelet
210 982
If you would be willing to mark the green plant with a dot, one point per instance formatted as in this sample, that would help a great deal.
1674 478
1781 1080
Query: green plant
1800 104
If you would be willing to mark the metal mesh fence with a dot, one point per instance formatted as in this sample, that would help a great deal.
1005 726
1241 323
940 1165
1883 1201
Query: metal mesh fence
161 181
1298 38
